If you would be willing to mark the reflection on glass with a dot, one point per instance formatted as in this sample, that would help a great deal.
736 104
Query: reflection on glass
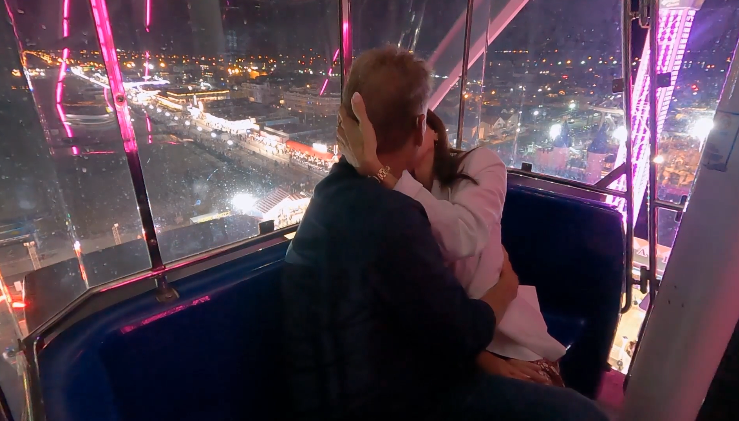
233 104
67 195
546 92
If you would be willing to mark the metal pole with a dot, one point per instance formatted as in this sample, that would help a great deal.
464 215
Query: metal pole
115 80
345 39
628 86
652 215
463 77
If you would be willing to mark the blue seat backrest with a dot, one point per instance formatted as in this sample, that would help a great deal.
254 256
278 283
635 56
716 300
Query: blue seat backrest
222 342
572 250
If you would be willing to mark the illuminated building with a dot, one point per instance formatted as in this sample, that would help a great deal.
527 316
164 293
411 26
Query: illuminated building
675 22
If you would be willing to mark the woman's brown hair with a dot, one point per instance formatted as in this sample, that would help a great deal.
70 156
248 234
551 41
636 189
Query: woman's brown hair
446 161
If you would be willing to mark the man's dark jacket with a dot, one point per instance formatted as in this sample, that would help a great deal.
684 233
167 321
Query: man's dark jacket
375 323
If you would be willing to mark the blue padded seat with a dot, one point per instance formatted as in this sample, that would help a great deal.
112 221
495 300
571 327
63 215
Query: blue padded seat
221 339
222 335
572 251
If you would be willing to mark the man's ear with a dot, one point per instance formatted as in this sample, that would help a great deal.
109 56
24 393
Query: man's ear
420 130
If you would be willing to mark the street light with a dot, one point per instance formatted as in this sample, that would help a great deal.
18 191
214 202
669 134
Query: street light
187 123
200 129
555 130
620 134
213 135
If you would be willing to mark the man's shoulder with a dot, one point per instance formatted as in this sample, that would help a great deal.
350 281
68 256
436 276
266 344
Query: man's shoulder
339 189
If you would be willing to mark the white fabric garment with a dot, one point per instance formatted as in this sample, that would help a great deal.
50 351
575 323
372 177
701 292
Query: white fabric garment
465 220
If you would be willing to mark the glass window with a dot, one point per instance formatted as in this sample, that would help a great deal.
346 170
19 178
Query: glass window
233 106
67 191
543 90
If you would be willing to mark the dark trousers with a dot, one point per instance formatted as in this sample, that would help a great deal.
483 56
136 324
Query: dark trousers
492 398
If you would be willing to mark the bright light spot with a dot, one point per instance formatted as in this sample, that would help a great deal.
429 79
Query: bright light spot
536 112
200 129
320 147
230 142
243 202
702 128
620 134
582 62
151 107
159 110
555 131
659 159
572 105
77 246
176 118
213 134
167 114
187 123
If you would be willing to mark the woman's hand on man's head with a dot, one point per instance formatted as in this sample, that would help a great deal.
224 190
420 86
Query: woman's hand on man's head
357 141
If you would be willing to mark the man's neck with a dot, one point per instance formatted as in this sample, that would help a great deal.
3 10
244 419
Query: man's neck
396 163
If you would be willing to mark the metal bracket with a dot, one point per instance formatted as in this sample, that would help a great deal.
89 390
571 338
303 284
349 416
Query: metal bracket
164 292
643 279
612 176
265 227
527 166
617 86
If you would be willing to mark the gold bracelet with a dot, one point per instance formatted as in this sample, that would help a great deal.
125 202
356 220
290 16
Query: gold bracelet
380 176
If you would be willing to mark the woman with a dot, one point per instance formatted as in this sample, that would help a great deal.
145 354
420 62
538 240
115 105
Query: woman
463 195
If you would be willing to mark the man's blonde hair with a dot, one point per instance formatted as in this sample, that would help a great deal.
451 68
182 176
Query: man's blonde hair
395 86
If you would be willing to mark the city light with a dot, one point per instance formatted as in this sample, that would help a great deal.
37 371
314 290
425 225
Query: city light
555 131
213 135
701 129
572 105
243 202
230 142
187 123
659 159
167 114
200 129
620 134
536 112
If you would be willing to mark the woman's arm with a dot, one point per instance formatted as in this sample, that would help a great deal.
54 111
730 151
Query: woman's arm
462 225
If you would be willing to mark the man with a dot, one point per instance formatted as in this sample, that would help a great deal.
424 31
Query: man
376 325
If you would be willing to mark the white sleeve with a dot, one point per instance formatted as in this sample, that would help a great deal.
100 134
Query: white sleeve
462 225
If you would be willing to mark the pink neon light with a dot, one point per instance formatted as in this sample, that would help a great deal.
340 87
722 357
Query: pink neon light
171 311
674 30
323 88
148 126
148 14
65 18
75 150
59 94
146 65
330 72
107 48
